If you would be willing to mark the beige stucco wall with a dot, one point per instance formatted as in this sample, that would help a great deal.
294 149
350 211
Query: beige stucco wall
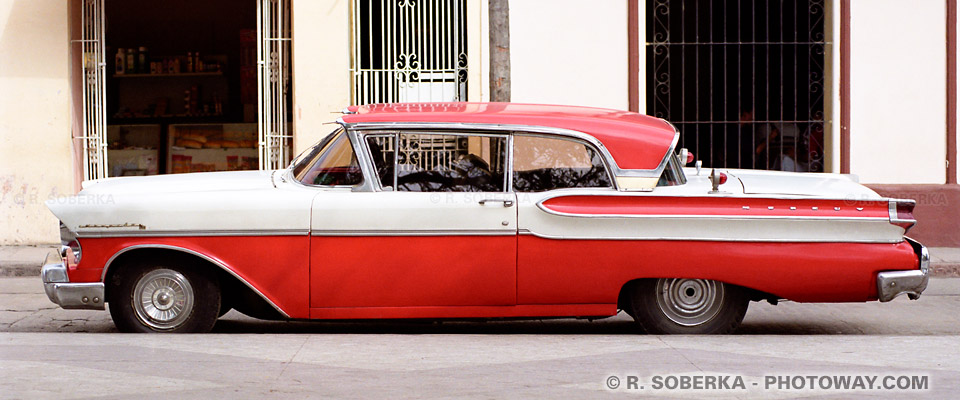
322 51
35 155
569 52
321 67
898 91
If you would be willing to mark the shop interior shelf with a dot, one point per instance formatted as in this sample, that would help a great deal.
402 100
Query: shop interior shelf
179 75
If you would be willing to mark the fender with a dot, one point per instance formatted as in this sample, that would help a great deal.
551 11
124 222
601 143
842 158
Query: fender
220 264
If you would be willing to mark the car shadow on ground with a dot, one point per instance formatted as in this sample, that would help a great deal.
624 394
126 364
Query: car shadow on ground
619 325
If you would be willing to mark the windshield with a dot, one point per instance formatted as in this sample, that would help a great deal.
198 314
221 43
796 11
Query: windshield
302 160
673 172
331 163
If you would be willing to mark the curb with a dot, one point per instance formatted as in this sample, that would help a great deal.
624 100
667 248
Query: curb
20 270
937 270
945 270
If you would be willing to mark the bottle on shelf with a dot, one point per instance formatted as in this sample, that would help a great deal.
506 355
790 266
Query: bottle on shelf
120 62
142 66
131 66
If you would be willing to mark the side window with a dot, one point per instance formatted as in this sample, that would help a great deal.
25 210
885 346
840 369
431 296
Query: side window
332 164
383 152
545 163
422 162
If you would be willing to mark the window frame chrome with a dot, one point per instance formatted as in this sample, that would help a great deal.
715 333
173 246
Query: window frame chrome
603 159
612 166
371 170
333 135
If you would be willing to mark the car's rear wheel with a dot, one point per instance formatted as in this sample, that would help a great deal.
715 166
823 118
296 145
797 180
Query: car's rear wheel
165 298
688 306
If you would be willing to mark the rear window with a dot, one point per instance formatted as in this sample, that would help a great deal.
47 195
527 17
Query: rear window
546 163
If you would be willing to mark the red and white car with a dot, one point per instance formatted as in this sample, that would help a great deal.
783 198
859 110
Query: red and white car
473 210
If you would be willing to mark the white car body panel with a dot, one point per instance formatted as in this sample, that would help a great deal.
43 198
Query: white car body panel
185 204
208 203
411 213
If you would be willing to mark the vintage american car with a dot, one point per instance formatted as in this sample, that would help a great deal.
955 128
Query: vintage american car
480 211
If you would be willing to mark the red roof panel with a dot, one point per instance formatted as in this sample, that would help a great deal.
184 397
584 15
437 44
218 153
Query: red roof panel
635 141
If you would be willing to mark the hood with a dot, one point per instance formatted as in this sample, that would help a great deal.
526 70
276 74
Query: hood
802 184
181 183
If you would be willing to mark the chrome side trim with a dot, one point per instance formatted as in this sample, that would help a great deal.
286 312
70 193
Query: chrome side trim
614 167
747 196
527 232
182 233
705 216
218 263
408 232
721 217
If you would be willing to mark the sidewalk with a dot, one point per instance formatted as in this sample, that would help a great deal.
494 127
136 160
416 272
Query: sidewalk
24 260
27 260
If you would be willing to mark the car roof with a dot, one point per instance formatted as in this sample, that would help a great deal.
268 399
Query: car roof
635 141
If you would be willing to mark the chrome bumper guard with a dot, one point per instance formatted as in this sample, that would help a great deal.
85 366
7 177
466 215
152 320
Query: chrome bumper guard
70 296
891 284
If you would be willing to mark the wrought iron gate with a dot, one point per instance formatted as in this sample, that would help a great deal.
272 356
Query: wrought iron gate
743 80
273 79
94 114
409 51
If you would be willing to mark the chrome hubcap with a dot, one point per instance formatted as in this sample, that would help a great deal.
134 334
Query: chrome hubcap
163 299
689 302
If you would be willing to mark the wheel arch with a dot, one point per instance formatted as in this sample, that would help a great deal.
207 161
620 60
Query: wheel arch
623 297
121 257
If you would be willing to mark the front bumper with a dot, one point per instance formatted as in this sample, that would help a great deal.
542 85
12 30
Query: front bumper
891 284
70 296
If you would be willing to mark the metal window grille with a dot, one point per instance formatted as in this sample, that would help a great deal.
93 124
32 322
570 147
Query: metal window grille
273 79
431 152
409 51
94 119
743 80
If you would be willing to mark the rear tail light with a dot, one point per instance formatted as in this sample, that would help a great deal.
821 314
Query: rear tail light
901 213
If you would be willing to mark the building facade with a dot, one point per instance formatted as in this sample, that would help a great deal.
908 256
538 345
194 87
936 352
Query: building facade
866 87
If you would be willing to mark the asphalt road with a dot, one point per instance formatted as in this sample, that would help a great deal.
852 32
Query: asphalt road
785 351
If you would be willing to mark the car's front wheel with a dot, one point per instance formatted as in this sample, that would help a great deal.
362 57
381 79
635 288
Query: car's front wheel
164 298
688 306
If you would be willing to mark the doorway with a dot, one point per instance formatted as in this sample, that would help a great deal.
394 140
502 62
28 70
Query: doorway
185 86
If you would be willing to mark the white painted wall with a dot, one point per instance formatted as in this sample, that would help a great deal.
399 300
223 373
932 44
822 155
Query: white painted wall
898 91
35 155
569 52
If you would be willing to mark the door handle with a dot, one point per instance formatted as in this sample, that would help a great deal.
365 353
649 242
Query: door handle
506 203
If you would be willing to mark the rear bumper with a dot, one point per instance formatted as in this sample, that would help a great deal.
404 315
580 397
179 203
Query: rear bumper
68 295
891 284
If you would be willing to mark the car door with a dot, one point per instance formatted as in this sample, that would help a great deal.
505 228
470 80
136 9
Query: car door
558 262
438 228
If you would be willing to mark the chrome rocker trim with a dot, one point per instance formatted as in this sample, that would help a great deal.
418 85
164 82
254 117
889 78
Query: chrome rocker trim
891 284
70 296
